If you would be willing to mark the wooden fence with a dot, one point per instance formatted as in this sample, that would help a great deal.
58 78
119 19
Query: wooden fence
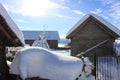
106 68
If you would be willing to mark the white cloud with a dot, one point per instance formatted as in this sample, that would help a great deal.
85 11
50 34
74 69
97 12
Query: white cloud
36 7
62 16
115 13
115 10
78 12
106 2
32 7
62 0
112 9
12 5
105 16
21 27
20 20
97 11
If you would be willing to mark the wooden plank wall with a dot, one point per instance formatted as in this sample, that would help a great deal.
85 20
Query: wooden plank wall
90 35
107 68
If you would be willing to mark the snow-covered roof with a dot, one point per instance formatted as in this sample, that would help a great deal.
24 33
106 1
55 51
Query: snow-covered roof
107 24
11 23
32 35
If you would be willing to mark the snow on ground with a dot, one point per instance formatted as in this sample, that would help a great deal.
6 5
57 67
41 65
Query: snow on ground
39 62
11 23
64 52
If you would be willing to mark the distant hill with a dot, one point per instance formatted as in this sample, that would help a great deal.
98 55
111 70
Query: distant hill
64 41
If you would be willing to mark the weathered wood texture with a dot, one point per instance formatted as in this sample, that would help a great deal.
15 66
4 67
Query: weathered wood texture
7 38
106 67
53 43
90 35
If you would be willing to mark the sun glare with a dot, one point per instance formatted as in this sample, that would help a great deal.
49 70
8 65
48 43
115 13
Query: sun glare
37 7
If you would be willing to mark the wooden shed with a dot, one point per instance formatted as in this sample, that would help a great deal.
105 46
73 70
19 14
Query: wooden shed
92 34
51 36
10 35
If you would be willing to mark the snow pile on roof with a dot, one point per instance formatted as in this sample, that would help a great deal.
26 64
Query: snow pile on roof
11 23
110 26
117 47
77 24
39 62
49 35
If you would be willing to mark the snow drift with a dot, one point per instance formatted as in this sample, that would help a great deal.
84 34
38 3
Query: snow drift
40 62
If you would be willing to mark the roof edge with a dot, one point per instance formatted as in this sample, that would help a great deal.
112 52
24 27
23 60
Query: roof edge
84 18
11 24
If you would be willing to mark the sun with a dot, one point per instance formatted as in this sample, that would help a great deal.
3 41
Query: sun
36 7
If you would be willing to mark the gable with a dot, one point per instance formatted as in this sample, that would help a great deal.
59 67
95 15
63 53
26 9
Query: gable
107 27
92 31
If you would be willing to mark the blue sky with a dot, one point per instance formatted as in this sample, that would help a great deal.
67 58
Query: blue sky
59 15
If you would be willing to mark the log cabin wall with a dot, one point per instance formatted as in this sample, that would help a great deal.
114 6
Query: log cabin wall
53 43
90 35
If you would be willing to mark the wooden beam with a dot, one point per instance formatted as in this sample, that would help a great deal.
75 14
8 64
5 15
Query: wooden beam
88 50
8 33
3 32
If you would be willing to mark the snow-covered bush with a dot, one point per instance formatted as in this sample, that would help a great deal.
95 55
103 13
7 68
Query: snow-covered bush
40 62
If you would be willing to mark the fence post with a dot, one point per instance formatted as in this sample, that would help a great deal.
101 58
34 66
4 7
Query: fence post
94 63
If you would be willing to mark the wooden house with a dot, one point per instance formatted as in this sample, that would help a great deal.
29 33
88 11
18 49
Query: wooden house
92 34
51 36
10 35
